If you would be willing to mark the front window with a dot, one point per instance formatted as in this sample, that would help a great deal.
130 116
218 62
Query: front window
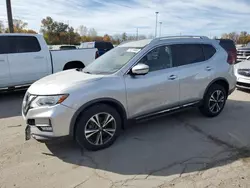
112 61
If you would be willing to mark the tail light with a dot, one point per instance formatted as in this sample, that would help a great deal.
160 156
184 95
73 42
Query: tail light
232 57
96 54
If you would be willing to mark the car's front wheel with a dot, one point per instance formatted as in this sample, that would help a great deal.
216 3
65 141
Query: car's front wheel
98 127
214 101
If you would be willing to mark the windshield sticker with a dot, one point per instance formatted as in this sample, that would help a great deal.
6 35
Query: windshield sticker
133 50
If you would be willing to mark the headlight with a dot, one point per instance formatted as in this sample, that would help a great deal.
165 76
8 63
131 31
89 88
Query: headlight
48 100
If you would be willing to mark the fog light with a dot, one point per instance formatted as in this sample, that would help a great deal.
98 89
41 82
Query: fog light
46 128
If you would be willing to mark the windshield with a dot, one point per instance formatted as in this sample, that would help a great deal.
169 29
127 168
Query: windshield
112 61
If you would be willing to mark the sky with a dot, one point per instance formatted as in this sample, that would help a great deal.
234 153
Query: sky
191 17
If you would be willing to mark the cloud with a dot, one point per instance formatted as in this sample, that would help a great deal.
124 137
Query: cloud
202 17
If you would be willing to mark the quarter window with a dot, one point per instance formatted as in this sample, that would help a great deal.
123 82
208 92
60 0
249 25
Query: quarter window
209 51
158 59
184 54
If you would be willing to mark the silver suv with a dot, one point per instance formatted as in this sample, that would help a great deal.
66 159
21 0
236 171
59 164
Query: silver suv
133 81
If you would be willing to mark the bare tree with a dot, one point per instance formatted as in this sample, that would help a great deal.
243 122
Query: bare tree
92 32
19 25
82 30
1 27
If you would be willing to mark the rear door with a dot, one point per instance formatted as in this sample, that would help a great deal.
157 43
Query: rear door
28 62
4 64
195 71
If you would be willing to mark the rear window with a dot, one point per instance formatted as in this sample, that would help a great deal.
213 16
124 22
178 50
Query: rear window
103 45
208 50
109 45
24 44
184 54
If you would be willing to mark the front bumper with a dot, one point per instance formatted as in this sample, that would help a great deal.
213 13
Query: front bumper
243 82
57 118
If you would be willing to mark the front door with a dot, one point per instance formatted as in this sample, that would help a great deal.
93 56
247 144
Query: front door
157 90
28 62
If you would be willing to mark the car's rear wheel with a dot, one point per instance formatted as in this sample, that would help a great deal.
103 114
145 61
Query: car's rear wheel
214 101
98 127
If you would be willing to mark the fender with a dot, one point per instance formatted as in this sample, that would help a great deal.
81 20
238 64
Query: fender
213 81
95 101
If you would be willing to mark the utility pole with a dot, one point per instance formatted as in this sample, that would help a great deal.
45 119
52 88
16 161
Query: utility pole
156 14
160 28
137 33
68 32
10 19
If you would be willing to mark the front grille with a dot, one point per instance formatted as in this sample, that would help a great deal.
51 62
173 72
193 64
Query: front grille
244 72
242 54
245 85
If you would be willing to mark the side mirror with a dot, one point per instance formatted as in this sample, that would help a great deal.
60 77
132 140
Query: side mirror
140 69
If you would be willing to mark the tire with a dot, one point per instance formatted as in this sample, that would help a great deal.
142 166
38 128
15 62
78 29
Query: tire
214 101
91 131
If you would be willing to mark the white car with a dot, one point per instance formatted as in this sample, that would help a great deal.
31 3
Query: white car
242 72
25 58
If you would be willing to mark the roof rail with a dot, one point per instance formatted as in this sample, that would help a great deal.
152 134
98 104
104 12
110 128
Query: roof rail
182 36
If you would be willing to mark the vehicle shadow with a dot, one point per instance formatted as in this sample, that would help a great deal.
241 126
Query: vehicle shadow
177 144
11 103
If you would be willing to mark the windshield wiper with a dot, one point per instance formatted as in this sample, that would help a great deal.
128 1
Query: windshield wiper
87 72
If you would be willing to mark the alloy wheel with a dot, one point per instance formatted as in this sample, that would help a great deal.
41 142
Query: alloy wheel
100 128
216 101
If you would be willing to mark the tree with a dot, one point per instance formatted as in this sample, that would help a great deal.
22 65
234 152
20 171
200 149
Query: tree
233 36
58 32
92 32
107 38
224 36
19 25
124 37
1 27
47 25
82 30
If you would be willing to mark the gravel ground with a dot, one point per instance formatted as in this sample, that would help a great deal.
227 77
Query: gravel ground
181 150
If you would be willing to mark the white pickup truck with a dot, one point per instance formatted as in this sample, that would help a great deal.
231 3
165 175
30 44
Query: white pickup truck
25 58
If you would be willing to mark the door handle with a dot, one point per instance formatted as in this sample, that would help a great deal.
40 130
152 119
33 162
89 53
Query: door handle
39 57
208 68
172 77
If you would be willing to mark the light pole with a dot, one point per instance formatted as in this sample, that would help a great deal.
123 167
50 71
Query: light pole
160 28
156 13
137 33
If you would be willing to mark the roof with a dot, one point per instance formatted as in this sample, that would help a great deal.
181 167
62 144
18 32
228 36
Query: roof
19 34
138 43
143 43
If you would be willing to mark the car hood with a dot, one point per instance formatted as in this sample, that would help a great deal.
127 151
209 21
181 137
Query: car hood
244 48
61 82
243 65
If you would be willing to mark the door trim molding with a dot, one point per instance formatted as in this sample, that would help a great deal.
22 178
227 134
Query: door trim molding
166 111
